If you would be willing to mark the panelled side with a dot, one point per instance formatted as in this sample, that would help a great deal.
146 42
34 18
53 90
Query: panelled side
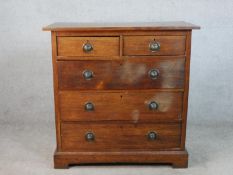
56 91
186 89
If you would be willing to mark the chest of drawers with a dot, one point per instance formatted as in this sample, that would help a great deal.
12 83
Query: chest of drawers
121 92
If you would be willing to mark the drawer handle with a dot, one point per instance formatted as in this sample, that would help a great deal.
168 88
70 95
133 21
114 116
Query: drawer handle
154 46
88 74
90 136
152 135
87 47
89 106
153 105
153 73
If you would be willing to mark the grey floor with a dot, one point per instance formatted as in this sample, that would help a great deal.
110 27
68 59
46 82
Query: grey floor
28 149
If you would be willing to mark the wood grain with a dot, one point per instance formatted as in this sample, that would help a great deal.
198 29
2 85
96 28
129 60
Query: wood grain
102 46
121 106
119 137
129 74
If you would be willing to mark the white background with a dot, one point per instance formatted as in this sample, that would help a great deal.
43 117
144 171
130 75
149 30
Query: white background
26 89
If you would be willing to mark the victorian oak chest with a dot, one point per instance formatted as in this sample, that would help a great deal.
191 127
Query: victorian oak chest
121 92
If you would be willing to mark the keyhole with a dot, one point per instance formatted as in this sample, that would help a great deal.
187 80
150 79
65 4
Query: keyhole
121 96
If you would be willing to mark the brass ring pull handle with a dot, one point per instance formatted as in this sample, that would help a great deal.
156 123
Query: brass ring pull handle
153 73
88 74
90 136
89 106
87 47
152 135
154 46
153 105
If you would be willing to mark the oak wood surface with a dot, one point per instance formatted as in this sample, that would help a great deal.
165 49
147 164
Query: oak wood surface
127 74
139 45
119 137
121 106
102 46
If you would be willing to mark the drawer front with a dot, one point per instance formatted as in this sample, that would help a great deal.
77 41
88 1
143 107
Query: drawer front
154 45
130 106
135 73
88 46
119 137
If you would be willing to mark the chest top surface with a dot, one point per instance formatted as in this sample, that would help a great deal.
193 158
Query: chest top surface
65 26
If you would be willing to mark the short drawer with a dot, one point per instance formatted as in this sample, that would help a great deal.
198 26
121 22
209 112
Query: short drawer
135 73
88 46
119 137
133 106
154 45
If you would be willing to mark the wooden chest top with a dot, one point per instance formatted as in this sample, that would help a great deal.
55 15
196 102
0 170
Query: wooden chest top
68 26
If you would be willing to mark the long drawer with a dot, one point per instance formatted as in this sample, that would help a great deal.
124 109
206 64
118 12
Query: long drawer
119 137
133 106
135 73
